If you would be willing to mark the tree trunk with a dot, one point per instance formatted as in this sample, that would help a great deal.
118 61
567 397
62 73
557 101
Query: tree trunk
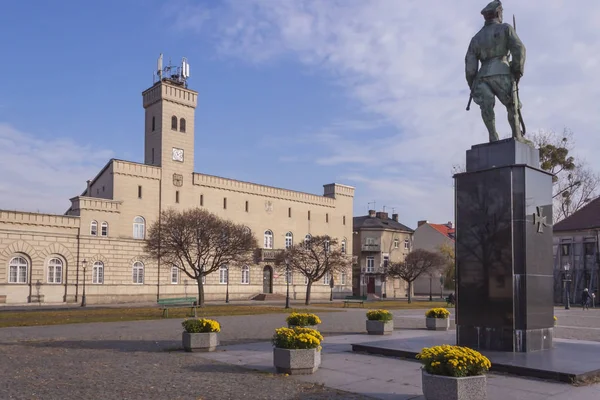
200 292
409 292
308 287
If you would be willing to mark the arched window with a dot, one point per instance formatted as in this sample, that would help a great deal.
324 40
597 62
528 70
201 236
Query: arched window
223 274
289 240
344 246
307 239
55 267
174 275
138 272
182 125
245 274
153 123
139 228
268 239
94 228
174 123
18 267
98 273
104 229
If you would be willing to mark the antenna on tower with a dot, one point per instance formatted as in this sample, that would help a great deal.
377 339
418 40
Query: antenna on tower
384 208
173 74
159 66
372 202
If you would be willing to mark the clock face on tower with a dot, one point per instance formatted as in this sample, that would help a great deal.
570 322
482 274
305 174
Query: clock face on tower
177 154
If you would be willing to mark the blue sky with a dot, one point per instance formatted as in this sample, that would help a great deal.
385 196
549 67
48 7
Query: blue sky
292 94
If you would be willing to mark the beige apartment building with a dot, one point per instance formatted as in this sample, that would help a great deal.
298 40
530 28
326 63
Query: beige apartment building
432 237
379 240
46 258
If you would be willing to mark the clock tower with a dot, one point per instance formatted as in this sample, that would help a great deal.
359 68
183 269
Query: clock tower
169 130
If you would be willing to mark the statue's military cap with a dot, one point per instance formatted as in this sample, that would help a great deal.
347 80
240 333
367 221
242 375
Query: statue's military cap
492 8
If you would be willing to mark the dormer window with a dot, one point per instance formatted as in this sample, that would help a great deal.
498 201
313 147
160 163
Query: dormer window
174 123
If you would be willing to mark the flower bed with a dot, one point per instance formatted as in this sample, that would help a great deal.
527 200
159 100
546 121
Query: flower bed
379 315
302 319
437 313
201 325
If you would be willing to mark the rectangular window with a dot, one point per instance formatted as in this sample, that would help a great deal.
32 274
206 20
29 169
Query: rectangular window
406 244
344 246
174 275
309 215
396 243
139 191
344 220
245 275
326 278
201 200
370 264
386 263
343 278
289 212
565 249
247 206
224 203
327 217
370 240
177 196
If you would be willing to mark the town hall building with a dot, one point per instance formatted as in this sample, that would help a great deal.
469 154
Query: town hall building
46 258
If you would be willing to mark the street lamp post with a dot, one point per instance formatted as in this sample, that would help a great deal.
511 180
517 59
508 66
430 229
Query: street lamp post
441 286
83 303
287 283
430 294
567 279
227 288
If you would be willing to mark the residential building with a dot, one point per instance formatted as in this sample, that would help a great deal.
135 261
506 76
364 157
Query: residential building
379 241
432 237
100 239
576 247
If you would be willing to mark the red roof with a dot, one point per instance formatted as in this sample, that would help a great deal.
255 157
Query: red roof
444 230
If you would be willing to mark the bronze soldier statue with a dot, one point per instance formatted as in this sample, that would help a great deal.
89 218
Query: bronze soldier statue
497 77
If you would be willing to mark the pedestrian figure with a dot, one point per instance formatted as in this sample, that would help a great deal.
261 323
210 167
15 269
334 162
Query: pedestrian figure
586 298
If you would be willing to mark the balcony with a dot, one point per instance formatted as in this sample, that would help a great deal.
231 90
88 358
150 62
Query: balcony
370 247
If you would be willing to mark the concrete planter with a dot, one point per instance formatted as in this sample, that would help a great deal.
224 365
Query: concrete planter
200 341
437 324
296 361
380 327
436 387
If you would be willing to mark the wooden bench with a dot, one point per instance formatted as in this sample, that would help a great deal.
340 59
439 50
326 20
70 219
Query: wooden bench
354 300
176 302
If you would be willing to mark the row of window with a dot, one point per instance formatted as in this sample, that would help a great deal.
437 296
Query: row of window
289 240
182 124
19 268
245 276
139 228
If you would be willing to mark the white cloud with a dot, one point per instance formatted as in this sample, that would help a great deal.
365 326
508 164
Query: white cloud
403 61
41 174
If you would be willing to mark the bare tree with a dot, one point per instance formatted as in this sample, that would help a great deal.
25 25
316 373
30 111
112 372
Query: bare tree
575 183
415 264
313 259
199 243
449 268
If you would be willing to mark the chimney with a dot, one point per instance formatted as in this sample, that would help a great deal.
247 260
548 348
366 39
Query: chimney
89 188
372 213
422 223
382 215
450 225
395 217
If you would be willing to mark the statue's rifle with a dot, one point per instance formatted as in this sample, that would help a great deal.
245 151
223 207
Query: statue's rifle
516 96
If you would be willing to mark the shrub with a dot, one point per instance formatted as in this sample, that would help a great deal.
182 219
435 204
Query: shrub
297 338
299 319
200 325
379 315
453 361
437 313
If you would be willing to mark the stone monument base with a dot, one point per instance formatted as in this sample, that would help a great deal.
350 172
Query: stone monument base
502 339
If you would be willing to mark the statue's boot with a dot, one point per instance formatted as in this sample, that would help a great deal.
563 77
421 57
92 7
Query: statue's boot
516 130
489 119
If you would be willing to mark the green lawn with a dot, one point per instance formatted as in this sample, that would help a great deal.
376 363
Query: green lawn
83 315
389 305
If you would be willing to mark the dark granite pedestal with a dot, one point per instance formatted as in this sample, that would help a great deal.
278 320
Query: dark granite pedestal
504 277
